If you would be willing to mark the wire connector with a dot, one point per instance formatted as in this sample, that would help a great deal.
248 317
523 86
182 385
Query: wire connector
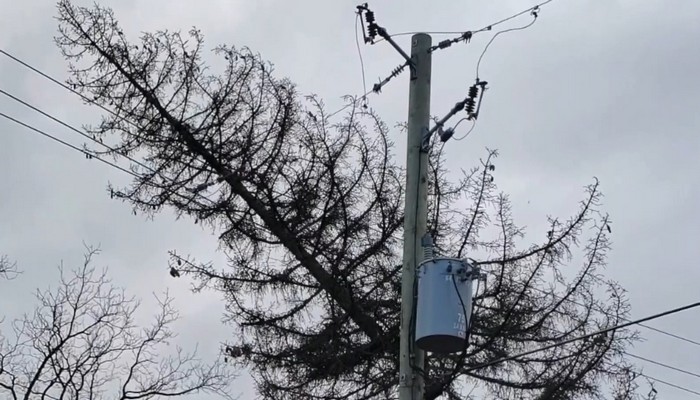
465 37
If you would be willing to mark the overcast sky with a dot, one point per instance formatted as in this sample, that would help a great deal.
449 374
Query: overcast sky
593 88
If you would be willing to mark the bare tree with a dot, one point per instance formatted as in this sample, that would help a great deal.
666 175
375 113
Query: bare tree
81 342
8 269
309 211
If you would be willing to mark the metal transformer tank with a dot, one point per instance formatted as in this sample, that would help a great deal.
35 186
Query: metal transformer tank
444 305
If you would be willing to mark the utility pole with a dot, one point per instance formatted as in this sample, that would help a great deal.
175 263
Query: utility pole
412 359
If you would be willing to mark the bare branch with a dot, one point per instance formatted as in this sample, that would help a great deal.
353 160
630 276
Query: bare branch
81 339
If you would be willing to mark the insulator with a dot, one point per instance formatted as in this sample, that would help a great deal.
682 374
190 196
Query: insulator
473 91
427 253
397 70
372 30
469 107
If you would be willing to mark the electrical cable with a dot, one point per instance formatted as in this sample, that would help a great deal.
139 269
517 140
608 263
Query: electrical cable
61 84
667 366
485 28
74 129
673 385
76 148
345 107
116 166
640 324
586 336
478 64
362 62
468 132
671 367
90 101
85 152
660 364
600 310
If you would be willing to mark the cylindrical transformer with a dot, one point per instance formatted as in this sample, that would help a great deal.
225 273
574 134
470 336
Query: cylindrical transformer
444 305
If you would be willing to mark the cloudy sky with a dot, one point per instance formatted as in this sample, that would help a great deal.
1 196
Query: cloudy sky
594 88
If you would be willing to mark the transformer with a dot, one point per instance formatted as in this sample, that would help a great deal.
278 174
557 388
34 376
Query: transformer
444 304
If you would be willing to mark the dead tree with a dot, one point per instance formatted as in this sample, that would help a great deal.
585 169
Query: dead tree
309 211
81 342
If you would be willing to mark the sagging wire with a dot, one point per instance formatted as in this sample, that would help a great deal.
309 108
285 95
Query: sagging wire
362 62
534 12
484 29
468 132
470 104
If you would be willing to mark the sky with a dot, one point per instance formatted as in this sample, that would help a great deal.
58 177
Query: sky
593 89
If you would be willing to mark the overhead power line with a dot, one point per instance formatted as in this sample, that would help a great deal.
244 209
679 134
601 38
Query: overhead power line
63 142
600 310
567 341
660 364
478 63
673 385
74 129
484 29
358 21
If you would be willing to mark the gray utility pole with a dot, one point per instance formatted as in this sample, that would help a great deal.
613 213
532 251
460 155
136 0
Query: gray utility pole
411 384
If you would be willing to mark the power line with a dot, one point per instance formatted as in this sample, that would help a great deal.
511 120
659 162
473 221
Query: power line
667 366
468 132
76 148
660 364
59 83
92 102
673 385
478 64
359 53
196 191
352 103
600 310
485 28
74 129
586 336
87 153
